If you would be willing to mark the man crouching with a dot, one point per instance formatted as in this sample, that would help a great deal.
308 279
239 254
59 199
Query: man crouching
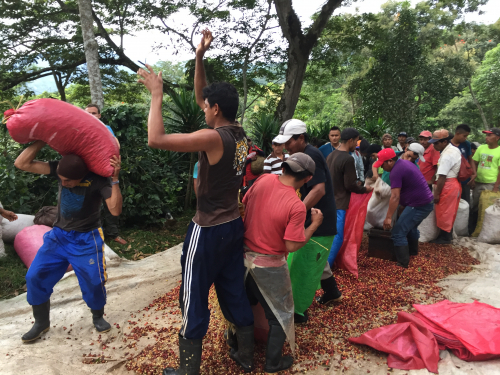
76 238
274 227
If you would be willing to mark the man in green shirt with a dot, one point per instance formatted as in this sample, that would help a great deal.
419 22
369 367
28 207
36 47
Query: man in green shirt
487 162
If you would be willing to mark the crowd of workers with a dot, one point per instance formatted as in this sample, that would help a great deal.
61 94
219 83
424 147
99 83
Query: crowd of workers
294 218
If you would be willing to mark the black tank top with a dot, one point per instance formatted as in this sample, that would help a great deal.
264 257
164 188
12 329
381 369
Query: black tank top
218 184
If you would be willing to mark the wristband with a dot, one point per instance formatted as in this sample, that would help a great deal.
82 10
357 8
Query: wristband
114 182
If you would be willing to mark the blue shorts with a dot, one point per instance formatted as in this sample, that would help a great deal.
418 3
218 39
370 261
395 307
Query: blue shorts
84 251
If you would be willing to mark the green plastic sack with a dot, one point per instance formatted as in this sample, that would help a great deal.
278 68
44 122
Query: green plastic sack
486 200
306 266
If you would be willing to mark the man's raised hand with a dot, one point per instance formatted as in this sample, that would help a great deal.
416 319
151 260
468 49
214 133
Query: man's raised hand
152 81
206 40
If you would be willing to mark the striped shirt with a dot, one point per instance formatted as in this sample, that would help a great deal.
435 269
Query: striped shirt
273 164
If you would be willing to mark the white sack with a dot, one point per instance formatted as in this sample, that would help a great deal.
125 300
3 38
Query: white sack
378 205
461 225
428 228
490 232
109 253
10 229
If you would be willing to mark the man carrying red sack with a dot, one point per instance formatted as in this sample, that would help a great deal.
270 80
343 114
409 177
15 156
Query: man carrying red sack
448 190
76 238
213 248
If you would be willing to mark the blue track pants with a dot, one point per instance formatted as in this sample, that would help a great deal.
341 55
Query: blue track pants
84 251
213 255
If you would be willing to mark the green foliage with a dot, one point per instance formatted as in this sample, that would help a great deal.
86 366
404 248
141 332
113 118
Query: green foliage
24 192
263 129
486 83
152 181
12 274
319 130
373 130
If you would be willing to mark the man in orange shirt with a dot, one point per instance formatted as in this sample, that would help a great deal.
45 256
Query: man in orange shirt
431 156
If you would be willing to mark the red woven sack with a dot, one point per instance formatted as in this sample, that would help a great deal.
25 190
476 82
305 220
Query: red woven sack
65 128
465 171
347 257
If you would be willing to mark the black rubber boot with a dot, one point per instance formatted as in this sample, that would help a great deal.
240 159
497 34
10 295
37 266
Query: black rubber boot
246 342
190 358
99 323
332 293
275 362
444 238
41 313
402 255
413 246
231 340
299 319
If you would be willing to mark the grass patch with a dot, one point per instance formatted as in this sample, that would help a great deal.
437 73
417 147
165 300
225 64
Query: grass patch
12 273
145 242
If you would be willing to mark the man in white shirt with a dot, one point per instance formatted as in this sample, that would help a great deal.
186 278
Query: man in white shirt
448 190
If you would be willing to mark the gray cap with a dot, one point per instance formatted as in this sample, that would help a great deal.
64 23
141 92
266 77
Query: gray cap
300 162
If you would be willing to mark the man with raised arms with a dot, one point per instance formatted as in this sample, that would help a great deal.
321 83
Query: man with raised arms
213 248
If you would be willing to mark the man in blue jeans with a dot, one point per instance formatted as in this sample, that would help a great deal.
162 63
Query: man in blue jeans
408 188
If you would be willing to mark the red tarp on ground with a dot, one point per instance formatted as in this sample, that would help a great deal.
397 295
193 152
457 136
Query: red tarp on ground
347 257
410 345
470 330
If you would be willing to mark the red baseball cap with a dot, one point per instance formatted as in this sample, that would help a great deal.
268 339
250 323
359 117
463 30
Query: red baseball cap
384 155
426 134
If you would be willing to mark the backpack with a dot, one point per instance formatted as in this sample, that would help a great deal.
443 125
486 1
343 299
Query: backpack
465 170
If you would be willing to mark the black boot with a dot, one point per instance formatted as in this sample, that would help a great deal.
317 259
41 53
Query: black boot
402 255
244 355
189 356
231 340
41 313
275 362
332 292
99 323
413 246
299 319
444 238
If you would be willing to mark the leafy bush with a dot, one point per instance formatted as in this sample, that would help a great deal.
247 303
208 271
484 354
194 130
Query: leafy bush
152 181
24 192
264 128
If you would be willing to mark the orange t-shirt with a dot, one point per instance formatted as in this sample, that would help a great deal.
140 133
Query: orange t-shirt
429 168
273 213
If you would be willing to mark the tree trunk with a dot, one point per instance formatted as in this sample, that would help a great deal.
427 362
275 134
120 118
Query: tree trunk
483 117
91 52
189 190
299 50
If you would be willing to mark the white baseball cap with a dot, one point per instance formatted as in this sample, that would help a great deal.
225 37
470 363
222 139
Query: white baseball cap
290 128
419 149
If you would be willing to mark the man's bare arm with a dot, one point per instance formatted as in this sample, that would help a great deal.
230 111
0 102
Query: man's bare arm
207 140
316 193
393 206
200 78
26 160
115 202
316 220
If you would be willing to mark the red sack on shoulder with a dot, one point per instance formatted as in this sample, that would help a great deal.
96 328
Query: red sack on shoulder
67 129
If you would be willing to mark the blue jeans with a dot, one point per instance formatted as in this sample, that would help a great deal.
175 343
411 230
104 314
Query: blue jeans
339 238
406 228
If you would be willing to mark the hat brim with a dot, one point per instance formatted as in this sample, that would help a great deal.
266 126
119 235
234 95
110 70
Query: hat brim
295 167
434 140
421 157
282 138
378 163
